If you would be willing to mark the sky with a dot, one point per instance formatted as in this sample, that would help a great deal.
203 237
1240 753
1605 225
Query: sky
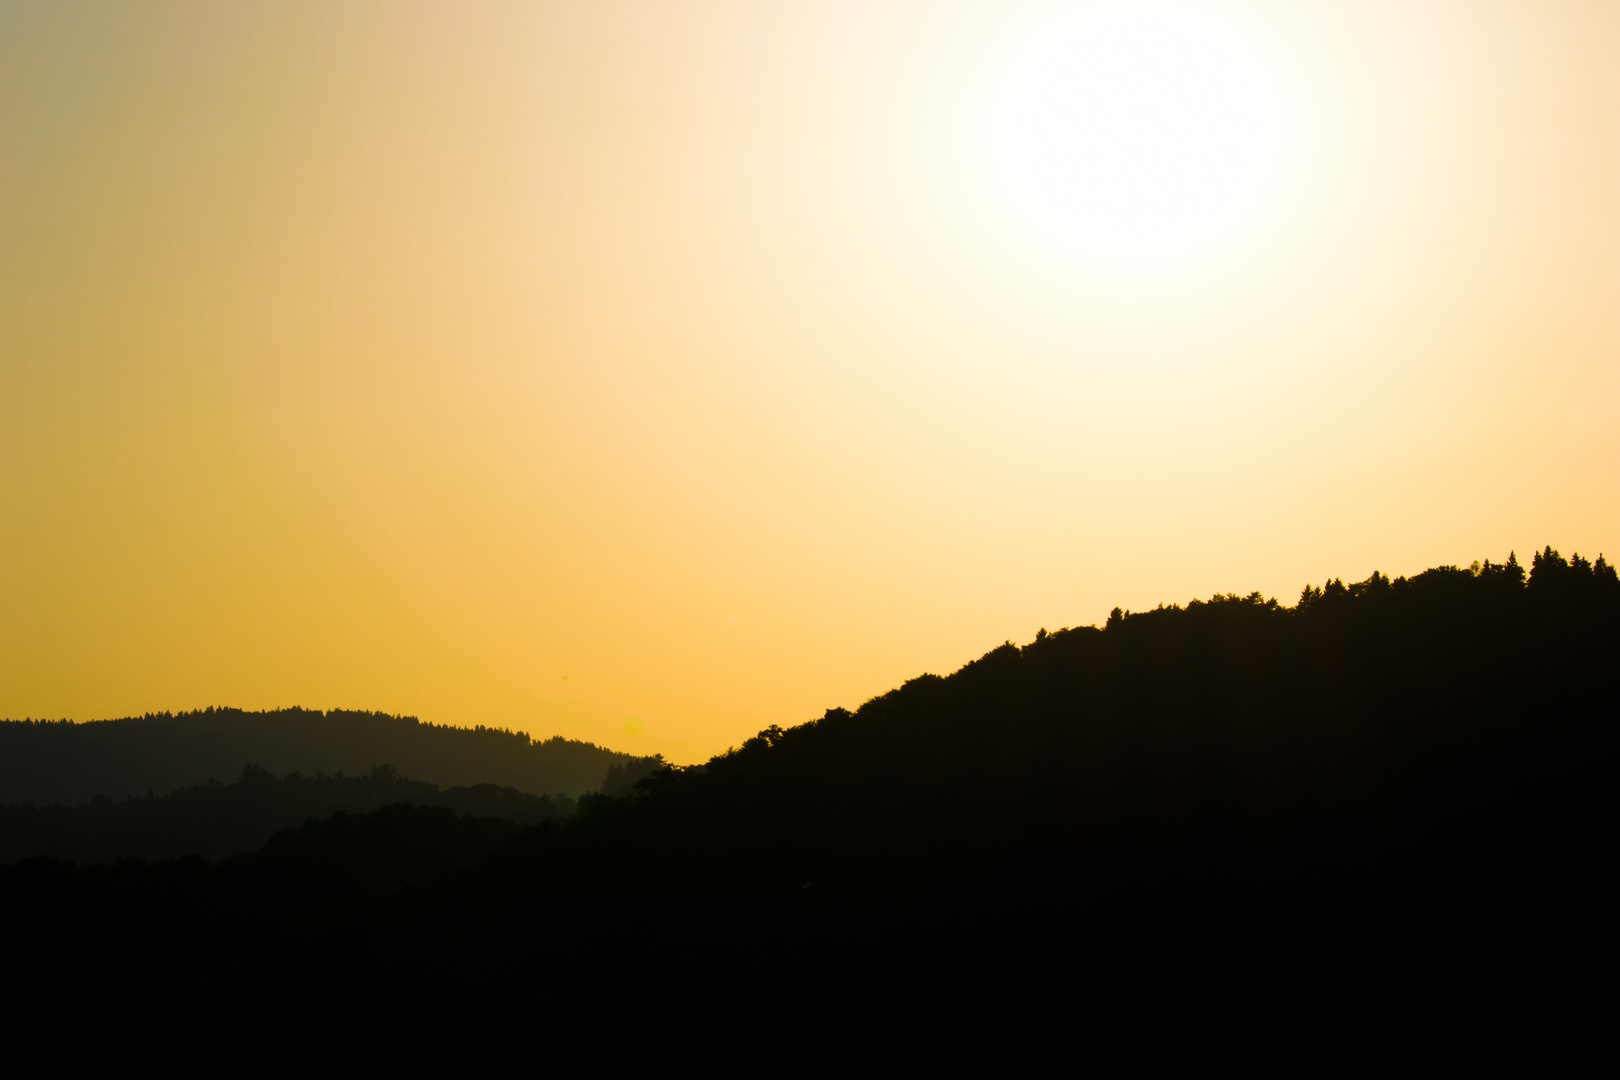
650 373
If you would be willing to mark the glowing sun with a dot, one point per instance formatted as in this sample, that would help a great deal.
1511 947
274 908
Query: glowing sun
1136 133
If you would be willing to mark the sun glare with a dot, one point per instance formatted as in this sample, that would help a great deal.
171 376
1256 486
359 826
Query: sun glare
1135 133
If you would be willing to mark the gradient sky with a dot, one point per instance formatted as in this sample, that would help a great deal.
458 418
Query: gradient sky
547 365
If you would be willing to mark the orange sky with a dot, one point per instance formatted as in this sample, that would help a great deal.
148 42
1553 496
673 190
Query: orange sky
417 356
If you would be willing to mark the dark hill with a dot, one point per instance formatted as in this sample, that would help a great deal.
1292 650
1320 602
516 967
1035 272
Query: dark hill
1396 787
1393 757
67 763
214 820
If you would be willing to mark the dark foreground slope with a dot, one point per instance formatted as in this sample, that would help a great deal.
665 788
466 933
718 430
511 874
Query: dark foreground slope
65 763
1406 781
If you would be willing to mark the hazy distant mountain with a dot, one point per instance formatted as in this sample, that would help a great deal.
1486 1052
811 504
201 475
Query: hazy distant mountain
214 820
68 763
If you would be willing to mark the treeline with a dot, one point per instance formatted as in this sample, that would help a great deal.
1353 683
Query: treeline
56 762
1399 781
214 820
1388 770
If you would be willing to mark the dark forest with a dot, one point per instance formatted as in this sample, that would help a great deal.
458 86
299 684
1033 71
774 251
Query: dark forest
1392 780
214 820
45 762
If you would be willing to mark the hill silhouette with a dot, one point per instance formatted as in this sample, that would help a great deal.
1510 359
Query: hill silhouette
1405 779
57 762
214 820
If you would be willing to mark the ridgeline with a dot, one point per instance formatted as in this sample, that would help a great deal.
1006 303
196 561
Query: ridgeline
57 762
1404 781
214 820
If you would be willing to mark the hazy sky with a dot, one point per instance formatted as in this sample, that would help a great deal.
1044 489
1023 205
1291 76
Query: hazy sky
547 365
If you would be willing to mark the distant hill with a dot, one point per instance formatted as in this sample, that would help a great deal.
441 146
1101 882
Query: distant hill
214 820
48 762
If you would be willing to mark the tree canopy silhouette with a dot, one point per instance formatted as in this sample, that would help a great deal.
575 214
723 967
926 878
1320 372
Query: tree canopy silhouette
1381 777
214 820
47 762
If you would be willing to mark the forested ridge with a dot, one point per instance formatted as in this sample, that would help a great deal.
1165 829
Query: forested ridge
214 820
57 762
1405 775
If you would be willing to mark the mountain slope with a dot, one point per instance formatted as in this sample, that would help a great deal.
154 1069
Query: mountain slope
66 763
1387 770
1409 777
214 820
